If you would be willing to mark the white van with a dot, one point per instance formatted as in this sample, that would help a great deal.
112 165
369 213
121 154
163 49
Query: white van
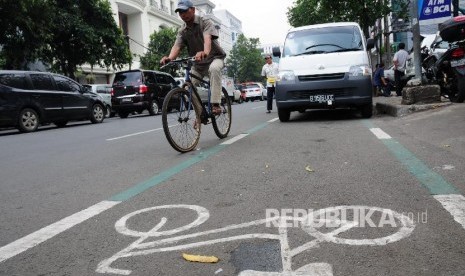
324 66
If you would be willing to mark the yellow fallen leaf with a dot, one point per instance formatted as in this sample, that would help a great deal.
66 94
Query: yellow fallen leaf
308 169
199 258
446 146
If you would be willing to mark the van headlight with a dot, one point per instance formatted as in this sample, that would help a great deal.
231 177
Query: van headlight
359 71
286 76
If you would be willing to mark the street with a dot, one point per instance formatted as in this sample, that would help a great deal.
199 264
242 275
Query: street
328 193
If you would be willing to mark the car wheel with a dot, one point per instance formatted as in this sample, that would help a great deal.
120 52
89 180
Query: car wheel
108 111
61 123
98 113
367 110
28 120
284 114
123 115
153 108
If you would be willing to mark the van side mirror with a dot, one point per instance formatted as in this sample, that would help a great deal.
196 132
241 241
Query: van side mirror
276 52
370 43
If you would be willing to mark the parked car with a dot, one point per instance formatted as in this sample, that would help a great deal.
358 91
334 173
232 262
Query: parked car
228 84
253 91
104 90
239 87
238 95
435 44
29 99
137 90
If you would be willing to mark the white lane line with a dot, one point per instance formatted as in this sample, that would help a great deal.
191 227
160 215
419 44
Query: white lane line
380 133
33 239
454 204
133 134
273 120
235 139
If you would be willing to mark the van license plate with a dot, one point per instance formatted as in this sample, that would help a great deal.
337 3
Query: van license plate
126 100
321 98
455 63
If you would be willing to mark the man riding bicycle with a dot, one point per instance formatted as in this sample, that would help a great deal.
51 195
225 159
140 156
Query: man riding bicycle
201 38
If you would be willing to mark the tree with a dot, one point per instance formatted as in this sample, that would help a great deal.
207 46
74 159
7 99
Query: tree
62 33
160 45
245 60
364 12
84 31
24 30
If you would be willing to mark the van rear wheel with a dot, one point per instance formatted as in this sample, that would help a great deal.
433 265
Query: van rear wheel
284 114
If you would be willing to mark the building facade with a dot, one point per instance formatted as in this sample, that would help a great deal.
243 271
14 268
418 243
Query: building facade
138 19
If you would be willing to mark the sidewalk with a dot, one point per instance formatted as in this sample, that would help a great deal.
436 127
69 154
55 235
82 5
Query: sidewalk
392 106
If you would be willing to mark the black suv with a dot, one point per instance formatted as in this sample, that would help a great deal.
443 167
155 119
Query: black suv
29 99
136 90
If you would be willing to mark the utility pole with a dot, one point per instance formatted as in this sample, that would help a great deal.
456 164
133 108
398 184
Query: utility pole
386 35
416 39
455 4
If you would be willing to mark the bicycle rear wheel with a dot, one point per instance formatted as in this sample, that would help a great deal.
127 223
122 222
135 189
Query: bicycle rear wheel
222 123
182 126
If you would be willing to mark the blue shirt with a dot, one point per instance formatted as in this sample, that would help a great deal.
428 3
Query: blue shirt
379 73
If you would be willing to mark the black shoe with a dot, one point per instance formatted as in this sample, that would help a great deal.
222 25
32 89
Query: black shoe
269 111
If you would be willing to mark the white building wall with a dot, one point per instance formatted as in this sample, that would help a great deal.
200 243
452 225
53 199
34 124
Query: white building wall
147 16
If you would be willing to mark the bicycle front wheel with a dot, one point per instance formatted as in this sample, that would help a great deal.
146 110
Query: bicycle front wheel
222 123
181 119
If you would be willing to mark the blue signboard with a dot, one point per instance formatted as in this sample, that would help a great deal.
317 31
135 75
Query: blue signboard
434 9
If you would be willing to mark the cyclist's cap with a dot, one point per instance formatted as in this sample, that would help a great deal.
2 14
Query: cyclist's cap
184 5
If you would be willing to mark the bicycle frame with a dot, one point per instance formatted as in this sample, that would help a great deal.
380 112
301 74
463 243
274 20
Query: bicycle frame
206 112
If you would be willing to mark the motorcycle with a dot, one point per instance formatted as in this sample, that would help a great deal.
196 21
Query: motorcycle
448 70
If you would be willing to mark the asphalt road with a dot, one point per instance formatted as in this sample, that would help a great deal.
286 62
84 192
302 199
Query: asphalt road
328 193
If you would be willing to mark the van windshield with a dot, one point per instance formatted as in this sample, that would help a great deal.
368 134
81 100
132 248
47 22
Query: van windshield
323 40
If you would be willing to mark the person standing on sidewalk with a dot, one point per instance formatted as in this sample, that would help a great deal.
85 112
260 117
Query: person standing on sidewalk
270 72
400 61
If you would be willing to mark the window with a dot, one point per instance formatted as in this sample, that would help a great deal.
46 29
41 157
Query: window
149 78
128 78
104 89
42 82
14 80
323 40
66 84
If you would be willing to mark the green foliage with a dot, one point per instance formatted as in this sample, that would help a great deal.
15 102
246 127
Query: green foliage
24 27
84 31
63 33
364 12
245 61
159 46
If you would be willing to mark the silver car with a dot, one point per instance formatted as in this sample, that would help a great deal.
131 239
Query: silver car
104 90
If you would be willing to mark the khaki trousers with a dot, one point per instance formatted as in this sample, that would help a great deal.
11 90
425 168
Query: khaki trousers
214 74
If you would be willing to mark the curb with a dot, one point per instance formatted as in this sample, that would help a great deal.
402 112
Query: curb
396 109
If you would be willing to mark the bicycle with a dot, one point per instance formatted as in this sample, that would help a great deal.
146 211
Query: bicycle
182 126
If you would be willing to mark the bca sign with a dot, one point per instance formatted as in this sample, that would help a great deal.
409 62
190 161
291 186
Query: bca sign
434 11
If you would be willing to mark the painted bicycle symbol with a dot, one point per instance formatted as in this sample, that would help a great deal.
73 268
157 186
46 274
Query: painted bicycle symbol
164 240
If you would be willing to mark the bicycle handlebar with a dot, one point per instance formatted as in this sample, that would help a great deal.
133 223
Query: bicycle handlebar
179 61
